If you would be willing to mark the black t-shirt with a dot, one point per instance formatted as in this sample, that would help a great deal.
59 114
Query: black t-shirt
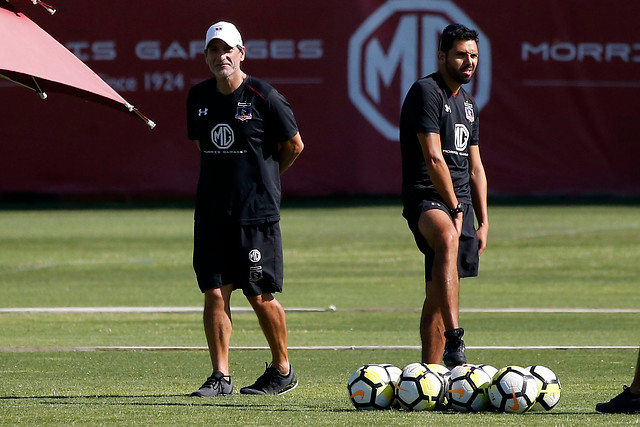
431 107
239 134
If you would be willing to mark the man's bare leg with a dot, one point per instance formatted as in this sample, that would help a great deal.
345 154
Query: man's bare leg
216 318
218 326
272 319
441 306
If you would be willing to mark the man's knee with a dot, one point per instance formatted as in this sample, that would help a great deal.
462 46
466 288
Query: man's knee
444 242
260 299
215 298
438 231
262 302
450 240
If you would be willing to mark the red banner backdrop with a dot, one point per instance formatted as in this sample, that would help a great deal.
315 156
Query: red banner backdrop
558 84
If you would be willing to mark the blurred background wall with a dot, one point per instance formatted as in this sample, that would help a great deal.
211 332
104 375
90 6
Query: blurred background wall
558 86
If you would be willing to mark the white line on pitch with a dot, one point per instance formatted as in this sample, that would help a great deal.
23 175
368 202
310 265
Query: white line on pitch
137 309
550 310
331 308
25 349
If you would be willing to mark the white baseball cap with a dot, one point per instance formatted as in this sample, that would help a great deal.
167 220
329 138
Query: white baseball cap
225 31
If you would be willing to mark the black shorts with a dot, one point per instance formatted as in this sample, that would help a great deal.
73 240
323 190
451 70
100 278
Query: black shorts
247 256
468 258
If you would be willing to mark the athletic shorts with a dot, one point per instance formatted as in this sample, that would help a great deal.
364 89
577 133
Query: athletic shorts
247 256
468 258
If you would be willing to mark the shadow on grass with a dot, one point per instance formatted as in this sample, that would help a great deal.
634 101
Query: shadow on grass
221 402
93 396
224 402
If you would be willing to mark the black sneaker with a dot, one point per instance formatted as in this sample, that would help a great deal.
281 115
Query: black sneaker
454 348
272 382
215 385
624 403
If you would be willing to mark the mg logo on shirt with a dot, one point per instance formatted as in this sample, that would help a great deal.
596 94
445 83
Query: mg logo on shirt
396 45
222 136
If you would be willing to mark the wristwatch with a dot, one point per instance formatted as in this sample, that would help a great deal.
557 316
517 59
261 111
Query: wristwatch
458 209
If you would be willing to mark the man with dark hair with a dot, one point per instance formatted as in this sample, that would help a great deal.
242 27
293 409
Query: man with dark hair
456 32
248 137
443 187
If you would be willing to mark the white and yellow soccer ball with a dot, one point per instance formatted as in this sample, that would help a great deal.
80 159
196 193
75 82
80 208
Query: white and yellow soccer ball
513 389
419 388
489 369
394 375
393 371
445 374
548 387
370 387
468 389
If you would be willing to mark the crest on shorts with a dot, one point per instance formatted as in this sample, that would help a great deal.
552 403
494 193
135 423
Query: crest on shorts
244 112
255 273
468 111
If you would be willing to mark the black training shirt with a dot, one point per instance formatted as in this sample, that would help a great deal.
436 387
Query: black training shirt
239 134
431 107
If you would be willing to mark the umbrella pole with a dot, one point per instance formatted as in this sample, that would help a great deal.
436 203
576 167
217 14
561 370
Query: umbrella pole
148 121
37 89
42 94
49 8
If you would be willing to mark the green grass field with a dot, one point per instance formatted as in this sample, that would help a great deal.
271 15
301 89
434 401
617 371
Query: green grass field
63 368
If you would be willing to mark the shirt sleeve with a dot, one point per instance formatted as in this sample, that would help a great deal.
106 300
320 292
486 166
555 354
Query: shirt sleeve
475 129
426 108
283 120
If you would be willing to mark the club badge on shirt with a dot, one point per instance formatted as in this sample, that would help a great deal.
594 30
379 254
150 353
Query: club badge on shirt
243 112
468 111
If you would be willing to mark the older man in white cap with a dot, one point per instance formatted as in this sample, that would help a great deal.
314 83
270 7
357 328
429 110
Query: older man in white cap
248 137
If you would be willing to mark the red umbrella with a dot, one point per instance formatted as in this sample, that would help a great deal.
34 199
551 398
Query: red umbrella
30 57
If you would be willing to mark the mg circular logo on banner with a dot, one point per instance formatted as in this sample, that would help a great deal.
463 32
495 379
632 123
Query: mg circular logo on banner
395 46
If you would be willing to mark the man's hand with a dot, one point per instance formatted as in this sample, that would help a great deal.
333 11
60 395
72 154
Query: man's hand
457 222
483 233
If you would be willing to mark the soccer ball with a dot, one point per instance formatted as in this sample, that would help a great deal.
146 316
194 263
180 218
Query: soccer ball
420 388
468 389
442 370
490 370
394 375
513 389
445 374
393 371
548 387
370 388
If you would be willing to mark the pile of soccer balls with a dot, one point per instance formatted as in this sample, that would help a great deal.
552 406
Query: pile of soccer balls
466 388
